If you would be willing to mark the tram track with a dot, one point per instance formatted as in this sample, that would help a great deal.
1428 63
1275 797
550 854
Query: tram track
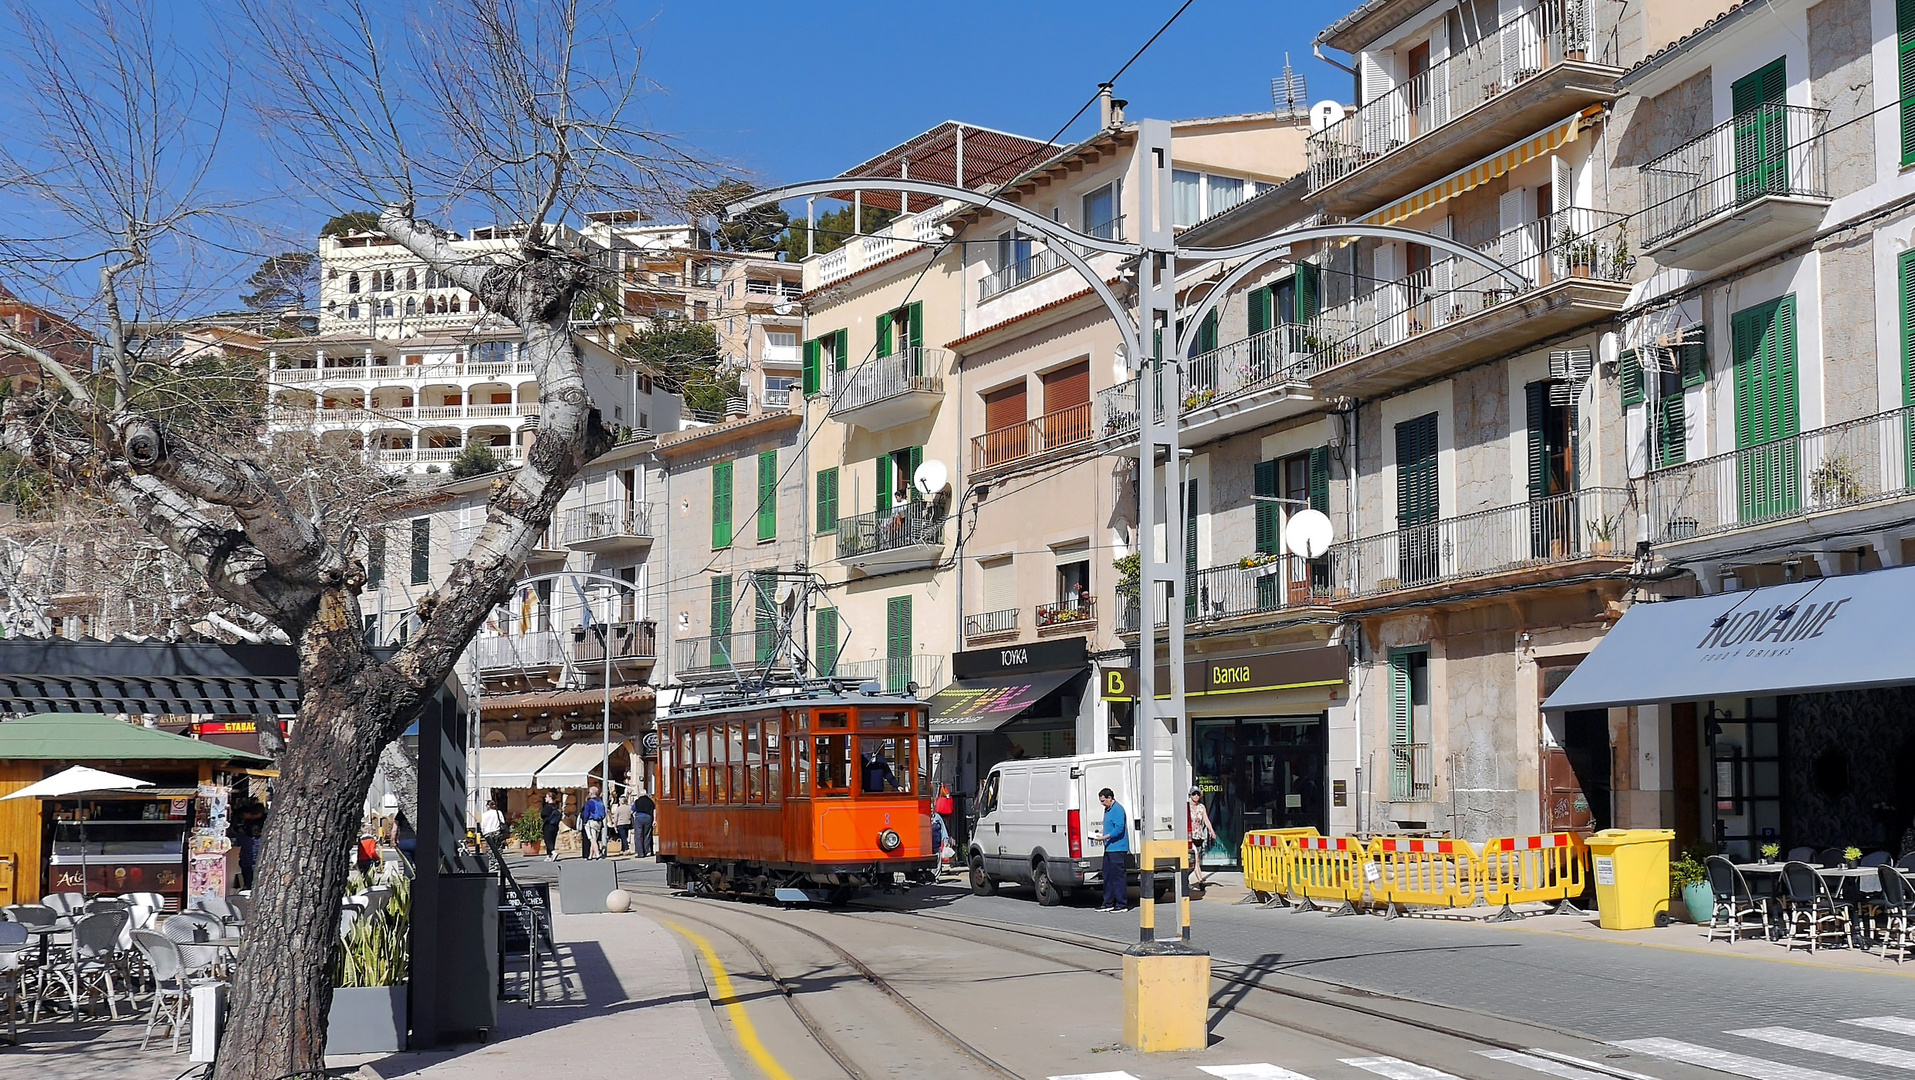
813 1025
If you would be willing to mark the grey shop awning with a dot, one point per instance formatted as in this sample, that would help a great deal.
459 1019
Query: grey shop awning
1828 634
987 703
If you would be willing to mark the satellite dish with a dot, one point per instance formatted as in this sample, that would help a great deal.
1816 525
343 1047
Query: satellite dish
1609 349
1325 113
1308 534
930 478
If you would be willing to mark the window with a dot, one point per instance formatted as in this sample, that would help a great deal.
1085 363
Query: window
1766 413
352 310
412 305
1224 192
834 763
1100 213
1013 249
1905 62
421 551
720 505
1187 196
491 352
767 496
824 640
735 759
897 643
780 339
884 764
1418 499
352 282
385 307
774 763
1000 588
1410 764
1759 101
412 280
827 495
801 766
375 557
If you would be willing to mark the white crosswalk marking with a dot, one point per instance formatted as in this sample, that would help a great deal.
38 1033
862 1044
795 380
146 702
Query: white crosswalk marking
1900 1025
1397 1069
1832 1045
1094 1076
1548 1066
1258 1071
1724 1061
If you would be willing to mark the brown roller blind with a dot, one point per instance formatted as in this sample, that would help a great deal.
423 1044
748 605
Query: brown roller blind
1005 408
1066 387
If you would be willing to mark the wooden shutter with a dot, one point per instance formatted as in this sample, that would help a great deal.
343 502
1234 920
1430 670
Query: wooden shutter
884 334
1320 479
1309 284
1005 408
1400 703
811 382
1763 350
1905 61
916 458
422 551
897 627
1629 374
884 482
1190 527
1259 310
1417 499
766 624
1761 134
1067 387
721 605
1907 268
824 649
1768 83
827 493
1207 333
720 505
768 495
1269 515
1536 408
376 556
917 324
1672 430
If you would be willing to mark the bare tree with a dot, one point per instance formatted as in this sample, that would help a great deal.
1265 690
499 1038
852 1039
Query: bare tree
518 114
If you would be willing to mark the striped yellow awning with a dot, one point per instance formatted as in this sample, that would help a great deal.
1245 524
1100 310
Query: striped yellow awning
1478 174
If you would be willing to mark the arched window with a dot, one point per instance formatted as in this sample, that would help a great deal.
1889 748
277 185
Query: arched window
352 282
385 307
352 310
387 285
412 280
472 303
412 305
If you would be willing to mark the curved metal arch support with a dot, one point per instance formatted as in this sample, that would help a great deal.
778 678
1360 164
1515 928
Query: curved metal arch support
596 579
1058 237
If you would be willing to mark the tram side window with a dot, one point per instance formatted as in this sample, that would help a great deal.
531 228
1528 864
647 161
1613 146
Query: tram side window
801 767
735 740
832 721
872 718
665 769
687 791
884 765
834 764
924 768
774 763
754 762
702 748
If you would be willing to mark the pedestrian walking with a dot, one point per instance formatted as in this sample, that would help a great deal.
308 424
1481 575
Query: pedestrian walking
549 817
621 820
643 809
1115 836
591 819
1202 832
492 825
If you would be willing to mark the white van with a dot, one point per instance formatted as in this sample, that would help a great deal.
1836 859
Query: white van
1035 820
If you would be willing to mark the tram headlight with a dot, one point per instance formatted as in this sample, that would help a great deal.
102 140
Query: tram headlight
889 840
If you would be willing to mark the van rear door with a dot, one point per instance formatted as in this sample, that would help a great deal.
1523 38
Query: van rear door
1101 773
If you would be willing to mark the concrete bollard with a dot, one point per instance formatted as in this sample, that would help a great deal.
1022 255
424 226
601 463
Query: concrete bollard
618 900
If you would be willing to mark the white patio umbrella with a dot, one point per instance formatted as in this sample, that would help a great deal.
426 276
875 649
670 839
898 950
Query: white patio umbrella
75 781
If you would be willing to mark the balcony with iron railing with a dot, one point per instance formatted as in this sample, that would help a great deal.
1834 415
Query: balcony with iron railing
1412 772
1860 468
635 640
537 652
609 526
1032 266
894 673
890 390
1255 585
1073 613
1539 65
1028 439
1535 539
440 455
714 657
1246 384
1576 263
990 624
1745 188
905 537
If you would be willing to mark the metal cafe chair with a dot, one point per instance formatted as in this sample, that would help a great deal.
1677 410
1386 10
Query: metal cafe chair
1804 853
15 967
1875 858
1736 909
1895 906
1906 862
1830 858
172 985
190 926
1808 909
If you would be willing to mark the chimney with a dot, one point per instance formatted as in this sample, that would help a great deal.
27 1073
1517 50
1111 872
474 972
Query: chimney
1117 112
1104 105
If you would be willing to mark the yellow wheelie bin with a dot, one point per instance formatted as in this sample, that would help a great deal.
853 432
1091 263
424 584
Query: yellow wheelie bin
1631 868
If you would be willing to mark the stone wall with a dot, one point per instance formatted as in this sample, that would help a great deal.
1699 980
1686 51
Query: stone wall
1841 80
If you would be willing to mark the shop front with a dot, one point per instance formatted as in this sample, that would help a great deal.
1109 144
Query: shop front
558 741
1780 714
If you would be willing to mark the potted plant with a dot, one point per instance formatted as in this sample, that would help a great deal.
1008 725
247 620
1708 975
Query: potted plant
1850 856
1835 481
528 830
368 1013
1602 534
1689 877
1769 852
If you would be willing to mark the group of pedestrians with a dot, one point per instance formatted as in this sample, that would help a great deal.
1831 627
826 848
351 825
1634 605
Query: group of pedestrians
1114 834
630 821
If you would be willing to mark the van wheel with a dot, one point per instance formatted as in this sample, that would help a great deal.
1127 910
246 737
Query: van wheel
1048 893
981 883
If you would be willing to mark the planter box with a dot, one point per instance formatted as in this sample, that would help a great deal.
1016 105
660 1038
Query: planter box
367 1020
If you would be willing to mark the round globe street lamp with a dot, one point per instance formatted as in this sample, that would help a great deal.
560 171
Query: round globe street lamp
1171 975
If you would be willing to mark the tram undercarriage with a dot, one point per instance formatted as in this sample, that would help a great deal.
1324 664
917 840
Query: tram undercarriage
834 885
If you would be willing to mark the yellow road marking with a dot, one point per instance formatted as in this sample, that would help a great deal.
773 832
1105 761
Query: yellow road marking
747 1035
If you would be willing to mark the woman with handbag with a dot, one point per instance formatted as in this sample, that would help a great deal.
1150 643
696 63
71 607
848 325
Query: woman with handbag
1202 832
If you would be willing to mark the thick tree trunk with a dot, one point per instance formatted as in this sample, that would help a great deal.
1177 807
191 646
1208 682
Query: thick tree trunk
345 717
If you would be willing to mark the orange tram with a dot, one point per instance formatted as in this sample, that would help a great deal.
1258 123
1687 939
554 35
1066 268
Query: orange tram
810 795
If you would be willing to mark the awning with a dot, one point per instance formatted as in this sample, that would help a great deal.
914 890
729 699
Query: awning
1476 175
1828 634
512 766
573 768
989 702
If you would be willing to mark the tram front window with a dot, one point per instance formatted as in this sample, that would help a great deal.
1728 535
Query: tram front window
884 765
834 764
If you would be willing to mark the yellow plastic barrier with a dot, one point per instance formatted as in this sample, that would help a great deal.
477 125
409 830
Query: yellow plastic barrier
1267 861
1327 868
1424 873
1529 869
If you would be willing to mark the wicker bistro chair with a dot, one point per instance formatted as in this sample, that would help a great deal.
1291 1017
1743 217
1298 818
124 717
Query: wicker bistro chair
172 985
15 968
67 905
190 926
1906 862
1804 853
1894 906
97 960
1809 909
1829 859
1737 910
1876 858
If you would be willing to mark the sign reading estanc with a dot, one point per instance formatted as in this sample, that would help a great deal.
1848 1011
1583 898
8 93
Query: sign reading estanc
1323 666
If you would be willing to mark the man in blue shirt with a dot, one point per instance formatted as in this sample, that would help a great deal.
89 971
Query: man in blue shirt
591 818
1116 840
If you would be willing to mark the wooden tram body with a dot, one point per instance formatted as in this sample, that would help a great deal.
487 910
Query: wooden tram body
823 791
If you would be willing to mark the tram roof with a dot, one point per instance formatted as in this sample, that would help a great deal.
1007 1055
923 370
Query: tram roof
803 695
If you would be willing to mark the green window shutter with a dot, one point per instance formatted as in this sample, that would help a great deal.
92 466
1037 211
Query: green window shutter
422 551
884 482
917 324
1259 310
811 368
1536 410
824 651
884 334
765 626
1672 431
1400 703
1417 499
827 500
1629 373
1269 515
1766 84
1207 333
1190 527
1320 479
1905 61
1908 307
842 353
1766 409
721 605
768 495
917 459
1309 291
1693 359
1761 134
897 642
720 505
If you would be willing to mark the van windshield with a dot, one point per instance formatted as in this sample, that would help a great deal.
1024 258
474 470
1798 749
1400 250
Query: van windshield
987 795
